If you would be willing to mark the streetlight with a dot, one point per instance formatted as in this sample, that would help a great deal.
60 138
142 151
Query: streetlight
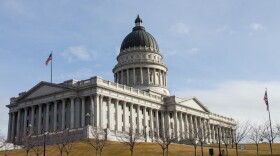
87 117
45 135
14 142
29 130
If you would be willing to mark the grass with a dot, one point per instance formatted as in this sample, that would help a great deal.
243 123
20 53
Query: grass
151 149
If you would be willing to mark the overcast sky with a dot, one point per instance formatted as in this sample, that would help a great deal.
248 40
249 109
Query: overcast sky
223 52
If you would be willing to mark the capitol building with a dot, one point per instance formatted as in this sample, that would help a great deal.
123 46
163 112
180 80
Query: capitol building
138 98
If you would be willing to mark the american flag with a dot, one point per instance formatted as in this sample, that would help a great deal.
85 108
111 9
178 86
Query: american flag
49 59
265 99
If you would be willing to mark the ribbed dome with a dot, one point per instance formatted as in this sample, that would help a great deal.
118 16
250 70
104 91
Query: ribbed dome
139 37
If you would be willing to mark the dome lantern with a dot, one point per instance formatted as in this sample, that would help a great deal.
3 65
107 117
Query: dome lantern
138 21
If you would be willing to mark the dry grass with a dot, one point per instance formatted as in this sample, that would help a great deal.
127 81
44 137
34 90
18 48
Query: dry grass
150 149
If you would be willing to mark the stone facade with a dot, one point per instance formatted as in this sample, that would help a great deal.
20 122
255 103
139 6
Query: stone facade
138 98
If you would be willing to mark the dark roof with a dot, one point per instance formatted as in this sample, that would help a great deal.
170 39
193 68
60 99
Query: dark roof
139 37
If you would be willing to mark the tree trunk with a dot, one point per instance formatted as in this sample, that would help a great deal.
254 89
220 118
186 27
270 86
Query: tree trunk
27 152
236 149
163 150
167 151
227 149
201 146
270 147
257 149
96 152
194 150
61 153
100 152
131 152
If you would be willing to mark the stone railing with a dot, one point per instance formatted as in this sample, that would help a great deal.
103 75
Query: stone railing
130 90
219 117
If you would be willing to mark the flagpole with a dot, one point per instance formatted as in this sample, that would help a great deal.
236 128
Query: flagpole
51 65
269 119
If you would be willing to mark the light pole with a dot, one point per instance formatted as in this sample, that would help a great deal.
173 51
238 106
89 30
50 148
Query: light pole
87 117
45 135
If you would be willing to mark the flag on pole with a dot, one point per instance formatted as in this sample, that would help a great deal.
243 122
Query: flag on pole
49 59
265 99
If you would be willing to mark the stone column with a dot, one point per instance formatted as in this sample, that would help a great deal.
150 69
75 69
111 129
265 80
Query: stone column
83 113
154 76
181 125
209 131
124 116
148 71
47 117
175 124
152 122
101 112
32 119
186 130
145 121
163 128
55 116
196 124
109 113
122 78
18 125
63 115
191 126
25 122
157 123
134 76
131 116
141 74
117 114
127 76
138 118
13 126
214 133
96 113
39 119
72 113
9 128
167 115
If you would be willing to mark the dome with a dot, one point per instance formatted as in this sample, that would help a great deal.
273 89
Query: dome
139 37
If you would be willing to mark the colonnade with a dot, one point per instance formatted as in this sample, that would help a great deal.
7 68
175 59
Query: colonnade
111 113
141 75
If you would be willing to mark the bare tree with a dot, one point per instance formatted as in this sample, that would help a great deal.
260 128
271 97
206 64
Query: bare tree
190 137
227 140
4 145
130 138
63 141
37 145
266 134
202 135
256 136
27 143
241 131
278 129
164 138
98 140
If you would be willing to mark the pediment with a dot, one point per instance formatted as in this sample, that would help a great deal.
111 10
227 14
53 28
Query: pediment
194 103
42 89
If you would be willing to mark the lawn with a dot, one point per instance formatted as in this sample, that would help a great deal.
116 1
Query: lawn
151 149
